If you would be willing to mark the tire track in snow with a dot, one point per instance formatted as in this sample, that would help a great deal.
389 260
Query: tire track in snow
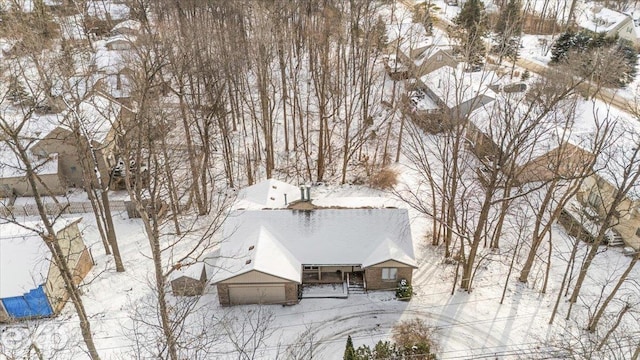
377 323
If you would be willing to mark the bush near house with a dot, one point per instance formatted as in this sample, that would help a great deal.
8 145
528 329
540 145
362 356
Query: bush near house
404 291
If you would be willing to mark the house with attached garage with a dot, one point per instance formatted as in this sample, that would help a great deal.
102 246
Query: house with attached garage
599 19
270 256
31 285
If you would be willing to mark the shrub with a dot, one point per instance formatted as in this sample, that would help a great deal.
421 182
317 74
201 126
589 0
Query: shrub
415 338
385 179
404 290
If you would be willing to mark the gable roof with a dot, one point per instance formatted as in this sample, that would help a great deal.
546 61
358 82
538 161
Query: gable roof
269 194
600 19
454 86
284 240
24 257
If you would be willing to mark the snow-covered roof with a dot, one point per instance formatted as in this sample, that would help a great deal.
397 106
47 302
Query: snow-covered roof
97 115
127 25
11 166
600 19
193 271
408 35
510 121
24 257
107 10
279 242
454 86
121 38
575 121
267 194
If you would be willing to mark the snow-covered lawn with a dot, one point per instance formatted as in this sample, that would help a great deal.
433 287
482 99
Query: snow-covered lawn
469 324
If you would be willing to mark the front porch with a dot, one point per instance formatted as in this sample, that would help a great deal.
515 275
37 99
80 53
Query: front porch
332 281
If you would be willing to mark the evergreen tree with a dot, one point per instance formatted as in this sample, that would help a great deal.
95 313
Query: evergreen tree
508 30
561 47
592 55
472 20
422 13
349 351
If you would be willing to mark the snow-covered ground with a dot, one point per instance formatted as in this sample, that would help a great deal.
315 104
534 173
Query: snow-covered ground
468 324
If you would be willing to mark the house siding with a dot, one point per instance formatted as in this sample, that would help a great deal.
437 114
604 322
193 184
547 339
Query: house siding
48 184
78 259
373 276
186 286
566 160
290 289
629 219
62 142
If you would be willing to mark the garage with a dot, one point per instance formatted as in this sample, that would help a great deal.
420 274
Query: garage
256 294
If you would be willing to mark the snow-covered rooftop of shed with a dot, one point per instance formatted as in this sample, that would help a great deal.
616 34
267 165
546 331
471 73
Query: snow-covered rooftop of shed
267 194
278 242
24 257
600 19
193 271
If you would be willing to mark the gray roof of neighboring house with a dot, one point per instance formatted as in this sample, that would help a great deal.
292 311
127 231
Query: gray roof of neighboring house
284 240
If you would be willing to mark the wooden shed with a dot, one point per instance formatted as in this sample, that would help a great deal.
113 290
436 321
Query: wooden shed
189 280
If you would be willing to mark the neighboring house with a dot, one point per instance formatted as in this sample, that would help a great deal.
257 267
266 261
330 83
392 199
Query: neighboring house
120 42
30 283
597 191
189 280
116 85
547 150
127 27
55 150
433 58
448 95
600 189
599 19
98 116
268 255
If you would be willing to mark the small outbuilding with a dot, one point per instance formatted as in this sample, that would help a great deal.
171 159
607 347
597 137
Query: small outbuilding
31 285
189 280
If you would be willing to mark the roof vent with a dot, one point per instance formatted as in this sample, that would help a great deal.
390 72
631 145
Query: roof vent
274 187
272 198
248 262
251 247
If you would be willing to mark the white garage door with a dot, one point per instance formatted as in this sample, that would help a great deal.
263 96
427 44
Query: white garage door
257 294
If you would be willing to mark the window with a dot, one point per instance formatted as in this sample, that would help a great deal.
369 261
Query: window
310 267
638 232
439 57
389 273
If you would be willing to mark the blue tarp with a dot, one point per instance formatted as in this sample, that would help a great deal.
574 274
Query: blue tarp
32 304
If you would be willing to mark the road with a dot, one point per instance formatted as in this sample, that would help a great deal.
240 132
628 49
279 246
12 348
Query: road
606 95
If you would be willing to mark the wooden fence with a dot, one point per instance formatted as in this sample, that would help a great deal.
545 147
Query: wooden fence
59 208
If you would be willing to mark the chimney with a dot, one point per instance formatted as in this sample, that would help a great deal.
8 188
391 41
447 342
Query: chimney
301 192
285 199
308 193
